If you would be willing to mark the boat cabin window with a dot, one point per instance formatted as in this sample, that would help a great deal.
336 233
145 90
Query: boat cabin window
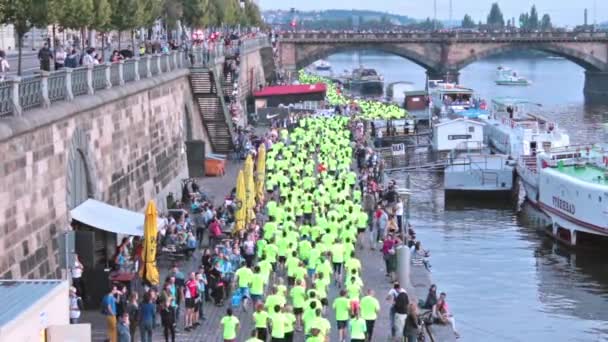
456 99
471 129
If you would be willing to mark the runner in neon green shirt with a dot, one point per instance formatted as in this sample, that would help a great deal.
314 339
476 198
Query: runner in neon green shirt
341 306
370 307
277 322
357 329
260 317
230 325
243 278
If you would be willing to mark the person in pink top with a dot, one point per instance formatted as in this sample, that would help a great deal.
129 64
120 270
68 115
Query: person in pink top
441 312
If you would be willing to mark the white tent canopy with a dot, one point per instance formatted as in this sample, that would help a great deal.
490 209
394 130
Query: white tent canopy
110 218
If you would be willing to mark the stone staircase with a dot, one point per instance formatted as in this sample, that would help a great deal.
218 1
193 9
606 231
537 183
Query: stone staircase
208 95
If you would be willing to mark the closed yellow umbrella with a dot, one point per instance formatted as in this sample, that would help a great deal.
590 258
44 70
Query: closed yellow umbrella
249 187
148 270
261 172
241 211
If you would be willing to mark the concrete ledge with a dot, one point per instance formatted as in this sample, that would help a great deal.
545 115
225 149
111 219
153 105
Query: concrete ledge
61 110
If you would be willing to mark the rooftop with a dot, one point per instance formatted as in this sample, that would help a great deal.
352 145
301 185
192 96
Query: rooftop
298 89
587 173
16 296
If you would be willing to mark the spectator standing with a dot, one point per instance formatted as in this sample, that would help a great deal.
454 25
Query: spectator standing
124 334
71 60
45 56
4 66
76 271
147 318
60 56
108 305
75 306
167 316
133 311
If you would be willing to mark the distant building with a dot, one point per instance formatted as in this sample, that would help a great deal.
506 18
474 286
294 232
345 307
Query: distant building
7 38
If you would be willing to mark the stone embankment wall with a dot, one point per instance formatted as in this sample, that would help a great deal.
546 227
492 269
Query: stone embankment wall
123 146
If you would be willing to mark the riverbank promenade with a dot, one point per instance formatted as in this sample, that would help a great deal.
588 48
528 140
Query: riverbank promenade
373 275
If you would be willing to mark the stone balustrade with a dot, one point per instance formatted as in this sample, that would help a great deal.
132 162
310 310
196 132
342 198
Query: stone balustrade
19 94
550 36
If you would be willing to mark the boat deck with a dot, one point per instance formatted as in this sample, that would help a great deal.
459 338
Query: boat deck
587 173
480 162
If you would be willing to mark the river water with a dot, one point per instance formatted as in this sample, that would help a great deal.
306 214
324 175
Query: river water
506 281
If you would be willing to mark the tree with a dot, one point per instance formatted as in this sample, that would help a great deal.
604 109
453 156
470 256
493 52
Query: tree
124 16
24 15
76 14
231 12
252 12
172 11
467 22
545 23
524 19
495 18
533 20
102 21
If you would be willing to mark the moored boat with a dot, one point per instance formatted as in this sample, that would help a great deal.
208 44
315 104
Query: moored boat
366 82
570 185
514 129
447 98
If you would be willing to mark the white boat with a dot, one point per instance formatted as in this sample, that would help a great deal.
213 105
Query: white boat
570 185
514 129
476 173
509 77
447 98
322 65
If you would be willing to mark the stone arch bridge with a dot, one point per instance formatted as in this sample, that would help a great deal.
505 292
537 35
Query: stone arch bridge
443 55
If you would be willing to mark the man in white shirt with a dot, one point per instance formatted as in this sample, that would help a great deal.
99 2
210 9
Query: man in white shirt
392 297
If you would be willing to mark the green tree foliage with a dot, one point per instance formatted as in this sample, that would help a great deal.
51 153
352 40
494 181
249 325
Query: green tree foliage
495 18
23 15
231 12
533 22
124 16
530 21
102 16
194 12
252 12
467 22
545 23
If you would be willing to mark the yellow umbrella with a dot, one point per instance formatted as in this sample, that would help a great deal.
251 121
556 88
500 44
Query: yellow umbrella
240 202
148 270
261 172
249 186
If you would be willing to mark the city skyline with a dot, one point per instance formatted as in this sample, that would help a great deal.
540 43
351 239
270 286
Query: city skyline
562 13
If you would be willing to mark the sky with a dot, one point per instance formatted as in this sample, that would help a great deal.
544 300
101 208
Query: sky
562 12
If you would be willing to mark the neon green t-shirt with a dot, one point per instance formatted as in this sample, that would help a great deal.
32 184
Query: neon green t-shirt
369 308
229 323
244 276
357 329
261 319
278 325
337 253
290 320
298 296
257 283
341 306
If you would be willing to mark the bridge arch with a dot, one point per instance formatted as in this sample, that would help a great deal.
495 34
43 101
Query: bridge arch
306 55
584 59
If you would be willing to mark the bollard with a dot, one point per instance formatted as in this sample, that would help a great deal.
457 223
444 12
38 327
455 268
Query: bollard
403 266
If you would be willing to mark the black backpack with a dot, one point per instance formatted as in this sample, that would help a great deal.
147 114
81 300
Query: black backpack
401 303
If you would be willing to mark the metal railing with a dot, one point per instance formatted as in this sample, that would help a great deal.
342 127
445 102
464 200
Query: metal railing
30 92
115 74
41 90
99 77
128 70
57 88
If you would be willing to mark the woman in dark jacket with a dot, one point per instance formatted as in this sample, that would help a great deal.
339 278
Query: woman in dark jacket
412 324
167 318
431 298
